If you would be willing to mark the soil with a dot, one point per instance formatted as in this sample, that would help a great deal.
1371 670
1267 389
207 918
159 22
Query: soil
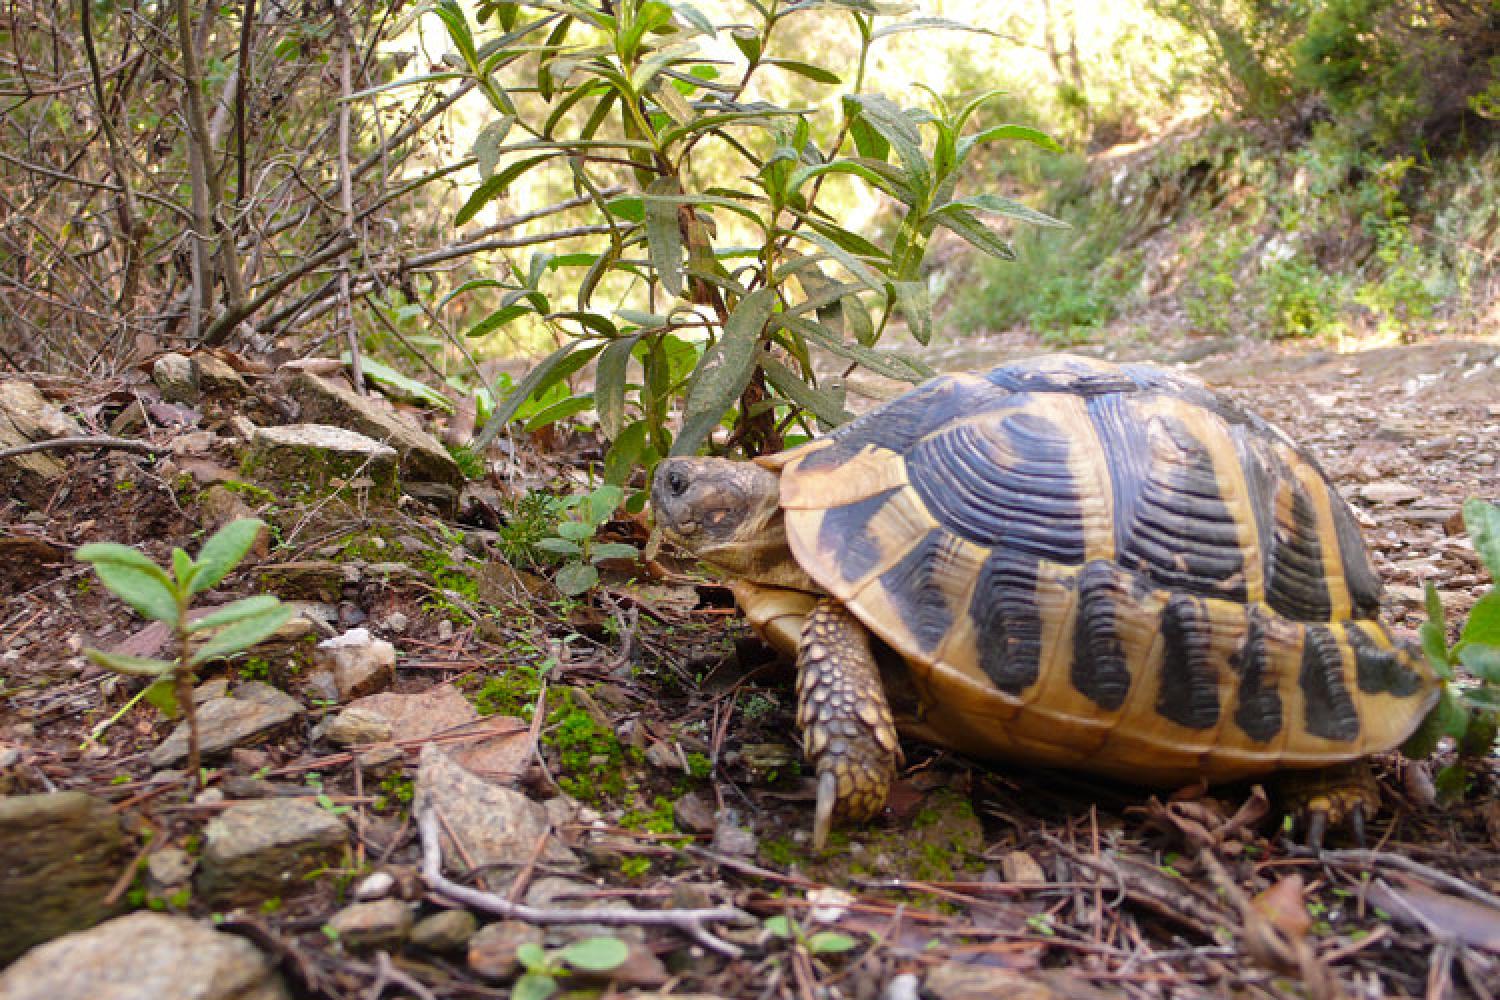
1059 884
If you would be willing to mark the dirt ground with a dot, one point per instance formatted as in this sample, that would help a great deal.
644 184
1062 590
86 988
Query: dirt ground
978 881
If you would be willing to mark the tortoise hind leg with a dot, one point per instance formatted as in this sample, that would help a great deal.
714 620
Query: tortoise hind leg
1341 796
847 731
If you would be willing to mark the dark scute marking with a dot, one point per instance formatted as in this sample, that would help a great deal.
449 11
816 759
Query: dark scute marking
844 532
1173 524
911 587
1297 584
1328 708
1054 375
1364 585
1007 623
899 424
1003 483
1189 693
1258 703
1382 671
1100 671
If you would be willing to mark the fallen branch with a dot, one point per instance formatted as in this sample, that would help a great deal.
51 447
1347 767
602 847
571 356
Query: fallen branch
81 443
689 922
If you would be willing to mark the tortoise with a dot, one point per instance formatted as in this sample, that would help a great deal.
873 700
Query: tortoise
1077 564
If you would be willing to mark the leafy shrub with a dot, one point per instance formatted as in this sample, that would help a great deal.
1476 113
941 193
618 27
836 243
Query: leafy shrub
735 280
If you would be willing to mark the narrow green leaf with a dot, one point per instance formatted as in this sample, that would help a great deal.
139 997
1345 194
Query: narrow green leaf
559 546
830 943
596 954
886 363
488 142
779 926
561 410
748 41
97 552
224 550
609 385
724 370
231 613
613 550
242 634
600 505
163 697
1483 624
916 305
1023 133
825 404
626 452
893 124
664 234
123 663
576 578
1435 645
401 384
1007 207
556 366
817 74
497 319
575 531
496 185
183 568
923 24
1434 602
975 232
409 81
1482 519
1482 661
459 32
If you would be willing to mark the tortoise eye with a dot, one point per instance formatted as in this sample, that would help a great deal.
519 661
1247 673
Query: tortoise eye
676 482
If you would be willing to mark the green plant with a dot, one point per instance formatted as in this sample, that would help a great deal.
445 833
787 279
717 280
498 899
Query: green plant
817 943
733 271
165 596
575 542
544 968
1469 713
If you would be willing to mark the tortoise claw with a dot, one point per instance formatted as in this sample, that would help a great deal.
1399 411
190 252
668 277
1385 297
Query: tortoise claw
1357 824
828 797
1317 828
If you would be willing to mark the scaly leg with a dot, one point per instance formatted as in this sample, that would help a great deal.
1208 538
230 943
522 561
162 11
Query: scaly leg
847 730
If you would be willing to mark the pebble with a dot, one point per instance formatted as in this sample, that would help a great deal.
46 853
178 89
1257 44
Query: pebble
383 924
445 933
376 886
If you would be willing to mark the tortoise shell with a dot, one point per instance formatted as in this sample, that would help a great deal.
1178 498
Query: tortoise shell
1106 567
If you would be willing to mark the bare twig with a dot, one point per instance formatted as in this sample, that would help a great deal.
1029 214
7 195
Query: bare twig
689 922
82 443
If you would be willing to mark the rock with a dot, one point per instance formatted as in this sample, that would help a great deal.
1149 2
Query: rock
376 886
26 417
395 622
145 956
445 933
1022 869
732 839
382 924
492 951
960 981
254 711
495 825
318 458
693 813
423 458
168 868
356 726
499 747
902 986
257 850
215 376
361 665
60 855
220 505
175 376
1389 493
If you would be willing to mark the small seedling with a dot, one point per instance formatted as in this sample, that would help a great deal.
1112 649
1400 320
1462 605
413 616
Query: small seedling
166 596
575 540
1470 713
817 943
544 968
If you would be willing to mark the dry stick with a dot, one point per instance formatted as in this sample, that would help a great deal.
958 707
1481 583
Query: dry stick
77 443
1375 858
346 194
689 922
117 160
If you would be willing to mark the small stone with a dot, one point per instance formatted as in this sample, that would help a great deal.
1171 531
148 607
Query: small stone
361 664
445 933
395 622
902 986
376 886
254 712
1389 493
145 956
734 840
321 686
317 457
357 726
1483 458
445 630
383 924
256 850
215 375
60 854
175 377
492 951
169 867
1020 868
693 813
209 797
694 896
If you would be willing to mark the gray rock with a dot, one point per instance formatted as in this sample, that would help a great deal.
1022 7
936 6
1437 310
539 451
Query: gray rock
60 855
175 376
496 825
445 933
376 886
492 951
144 956
361 665
255 711
169 868
314 456
256 850
385 924
25 417
214 375
356 726
423 458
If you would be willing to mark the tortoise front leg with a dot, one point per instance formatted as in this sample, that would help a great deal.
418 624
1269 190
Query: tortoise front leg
847 731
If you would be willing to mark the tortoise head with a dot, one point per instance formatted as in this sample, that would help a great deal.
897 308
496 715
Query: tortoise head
728 514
